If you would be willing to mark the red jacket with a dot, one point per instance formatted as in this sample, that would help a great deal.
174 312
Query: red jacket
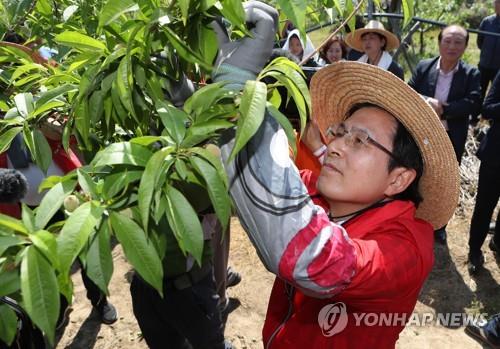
394 255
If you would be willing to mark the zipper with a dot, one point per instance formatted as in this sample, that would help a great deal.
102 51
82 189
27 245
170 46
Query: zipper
290 292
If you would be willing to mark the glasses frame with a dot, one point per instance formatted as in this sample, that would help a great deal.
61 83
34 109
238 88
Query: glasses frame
329 132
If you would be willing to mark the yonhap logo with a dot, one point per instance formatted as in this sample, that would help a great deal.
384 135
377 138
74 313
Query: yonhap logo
332 319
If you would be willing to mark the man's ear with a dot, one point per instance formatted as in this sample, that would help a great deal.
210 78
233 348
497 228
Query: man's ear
399 179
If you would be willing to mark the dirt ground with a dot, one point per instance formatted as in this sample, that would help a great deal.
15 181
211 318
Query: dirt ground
449 289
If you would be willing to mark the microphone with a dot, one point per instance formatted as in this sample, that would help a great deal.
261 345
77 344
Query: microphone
13 186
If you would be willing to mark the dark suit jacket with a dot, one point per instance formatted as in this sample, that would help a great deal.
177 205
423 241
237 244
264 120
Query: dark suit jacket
464 99
489 150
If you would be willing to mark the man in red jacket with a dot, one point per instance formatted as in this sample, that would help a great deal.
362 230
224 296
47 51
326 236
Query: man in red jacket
357 240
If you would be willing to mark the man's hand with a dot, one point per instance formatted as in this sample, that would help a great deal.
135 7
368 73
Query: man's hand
249 53
436 105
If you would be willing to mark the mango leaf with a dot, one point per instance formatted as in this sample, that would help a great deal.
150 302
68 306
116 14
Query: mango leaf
46 107
99 259
46 243
7 138
139 251
234 12
41 150
9 282
184 6
205 97
145 140
116 182
28 218
407 11
55 93
12 223
185 51
124 153
285 123
114 9
152 180
24 103
295 10
52 201
181 168
40 291
217 191
185 224
8 324
7 241
79 41
200 132
124 83
87 183
75 233
215 161
174 120
65 286
252 108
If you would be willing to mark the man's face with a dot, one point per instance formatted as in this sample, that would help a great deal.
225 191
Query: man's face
357 174
452 45
372 43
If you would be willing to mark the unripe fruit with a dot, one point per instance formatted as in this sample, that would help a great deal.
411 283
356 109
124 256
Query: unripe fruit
71 203
212 148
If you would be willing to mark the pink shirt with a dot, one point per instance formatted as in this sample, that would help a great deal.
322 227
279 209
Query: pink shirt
443 85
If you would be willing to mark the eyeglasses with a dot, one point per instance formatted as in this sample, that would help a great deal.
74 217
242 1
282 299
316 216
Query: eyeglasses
355 138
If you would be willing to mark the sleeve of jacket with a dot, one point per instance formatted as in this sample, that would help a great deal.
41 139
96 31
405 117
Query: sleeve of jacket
491 106
470 104
294 238
418 78
480 37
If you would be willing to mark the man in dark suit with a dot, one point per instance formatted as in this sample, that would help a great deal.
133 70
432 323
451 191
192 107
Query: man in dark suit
451 87
488 191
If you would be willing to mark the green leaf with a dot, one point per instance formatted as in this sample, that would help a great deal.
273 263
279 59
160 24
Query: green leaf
200 132
46 107
205 97
295 10
46 243
28 218
185 224
12 223
407 11
139 251
10 282
40 291
79 41
99 259
217 191
252 108
24 103
114 9
145 140
75 233
87 183
234 12
116 182
42 151
185 51
55 93
174 120
124 82
213 160
8 324
7 137
152 180
7 242
123 153
184 6
52 201
285 123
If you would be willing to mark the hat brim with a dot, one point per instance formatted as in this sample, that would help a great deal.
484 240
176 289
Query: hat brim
354 40
336 88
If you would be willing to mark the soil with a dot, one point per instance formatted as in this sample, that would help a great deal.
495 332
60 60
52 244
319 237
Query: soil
449 289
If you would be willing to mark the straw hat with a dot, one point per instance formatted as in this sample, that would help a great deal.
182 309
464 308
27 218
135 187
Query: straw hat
337 87
354 39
